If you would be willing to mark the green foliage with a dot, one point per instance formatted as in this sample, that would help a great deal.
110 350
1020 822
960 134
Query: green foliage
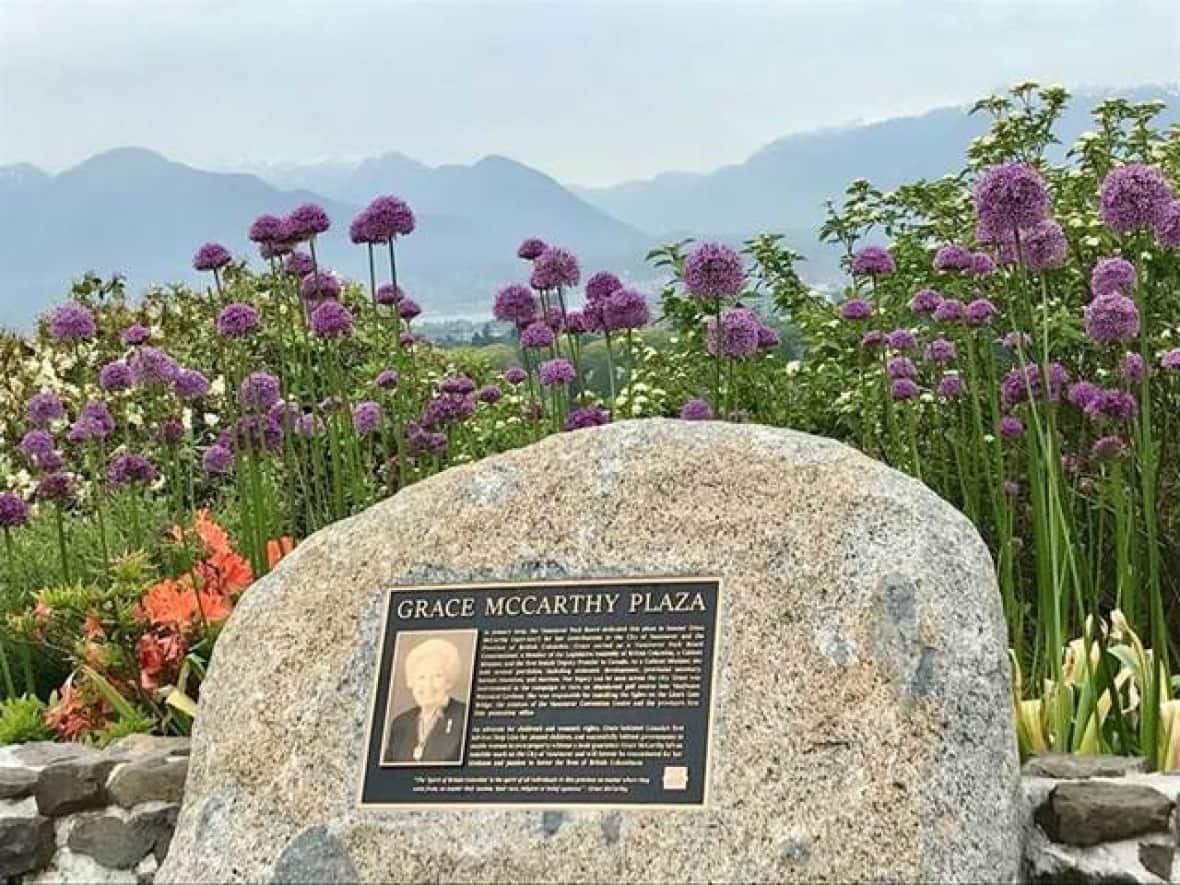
23 719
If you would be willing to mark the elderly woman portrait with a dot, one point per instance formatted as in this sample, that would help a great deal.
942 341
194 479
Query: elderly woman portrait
432 730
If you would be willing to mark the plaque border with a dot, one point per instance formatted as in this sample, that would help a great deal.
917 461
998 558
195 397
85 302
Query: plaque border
508 807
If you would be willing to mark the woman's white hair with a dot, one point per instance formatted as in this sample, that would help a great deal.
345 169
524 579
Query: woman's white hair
434 648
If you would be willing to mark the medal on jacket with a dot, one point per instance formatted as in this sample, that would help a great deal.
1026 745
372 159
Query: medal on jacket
449 720
418 753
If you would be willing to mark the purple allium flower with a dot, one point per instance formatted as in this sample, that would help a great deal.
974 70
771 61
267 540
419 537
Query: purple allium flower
237 320
285 414
13 511
275 249
387 379
1081 393
1170 361
1112 318
576 322
556 371
625 308
211 256
366 417
1018 384
77 433
1013 341
170 431
940 351
388 295
259 391
856 309
733 334
553 318
1113 276
54 486
320 286
873 339
96 419
696 410
459 384
131 468
980 312
256 433
1133 368
37 445
1011 427
515 304
135 335
873 261
555 268
405 339
1010 197
306 221
1167 228
926 301
362 229
768 338
950 310
331 320
1117 404
44 408
586 416
391 217
601 285
952 257
903 389
115 375
299 264
190 384
408 308
1057 377
217 459
1043 247
901 367
951 386
72 322
536 335
266 229
151 366
1108 448
713 271
489 394
447 409
531 248
515 375
1134 196
982 265
901 339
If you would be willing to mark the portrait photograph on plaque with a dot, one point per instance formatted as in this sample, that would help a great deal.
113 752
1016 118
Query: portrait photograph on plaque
429 697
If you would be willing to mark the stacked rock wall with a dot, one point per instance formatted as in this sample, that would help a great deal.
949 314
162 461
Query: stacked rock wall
70 813
1099 819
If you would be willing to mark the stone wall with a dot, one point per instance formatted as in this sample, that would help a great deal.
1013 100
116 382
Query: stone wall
1099 819
70 813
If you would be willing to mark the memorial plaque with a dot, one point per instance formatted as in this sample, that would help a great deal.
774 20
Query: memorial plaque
590 693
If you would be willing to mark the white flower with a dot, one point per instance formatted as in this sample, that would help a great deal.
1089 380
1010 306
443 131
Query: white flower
217 386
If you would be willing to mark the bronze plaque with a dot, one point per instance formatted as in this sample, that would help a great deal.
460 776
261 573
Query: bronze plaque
576 693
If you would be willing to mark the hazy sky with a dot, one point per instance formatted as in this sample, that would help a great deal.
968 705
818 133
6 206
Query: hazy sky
591 92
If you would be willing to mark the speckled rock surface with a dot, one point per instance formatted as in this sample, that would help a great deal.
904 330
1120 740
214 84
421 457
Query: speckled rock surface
862 728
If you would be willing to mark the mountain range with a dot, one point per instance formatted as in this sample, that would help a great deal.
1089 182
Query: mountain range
134 211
